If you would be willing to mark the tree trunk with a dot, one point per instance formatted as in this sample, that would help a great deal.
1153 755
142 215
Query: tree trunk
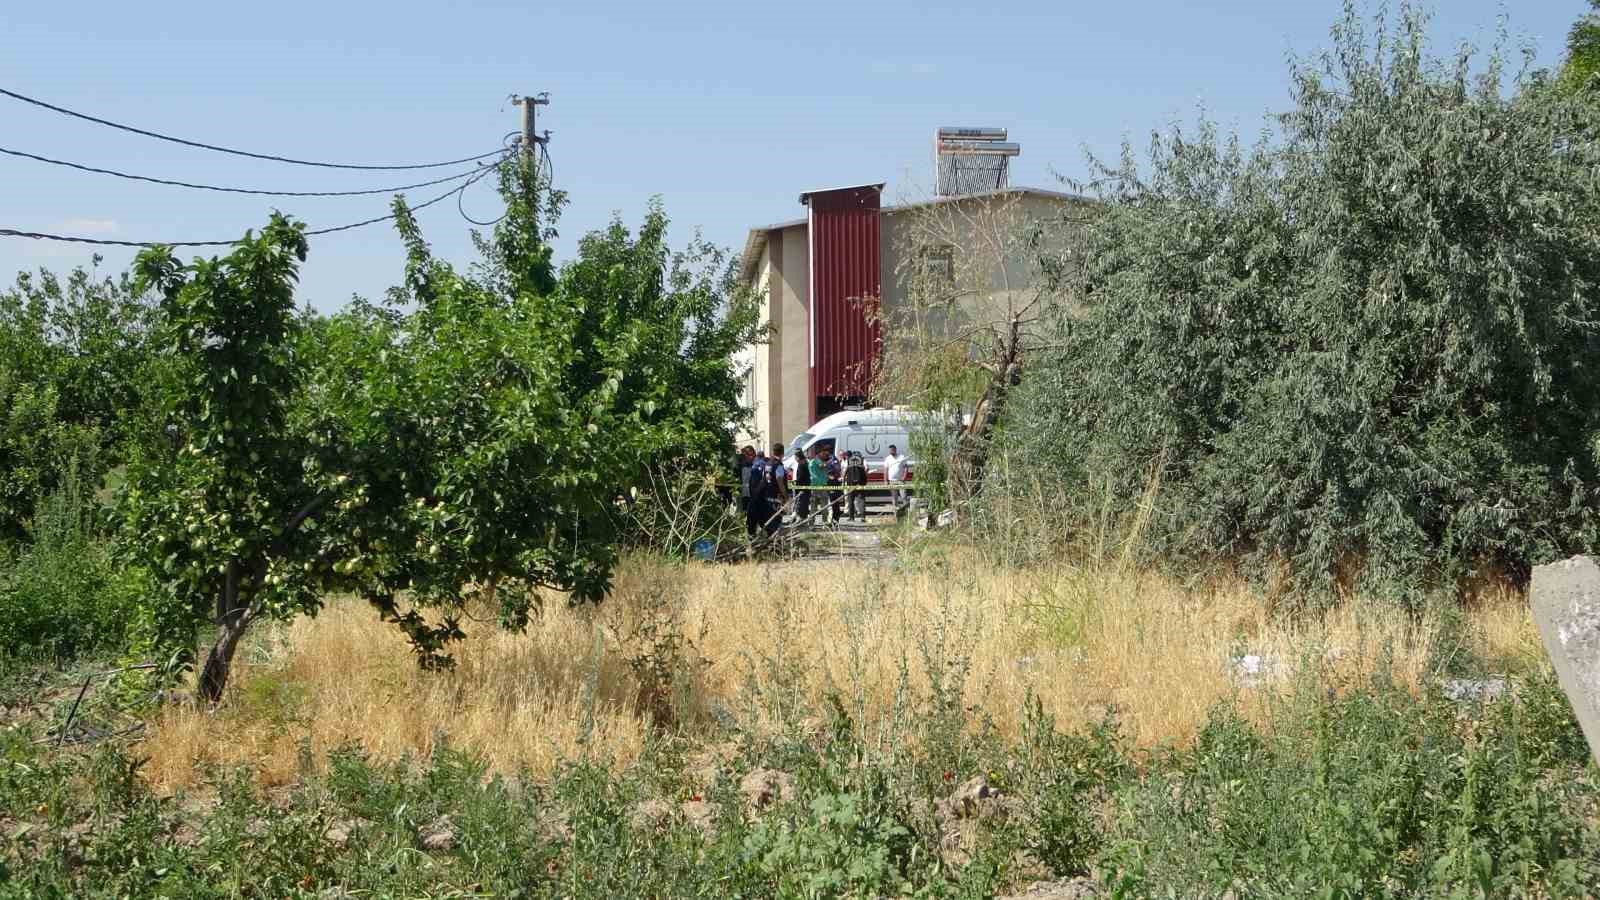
972 446
219 661
233 618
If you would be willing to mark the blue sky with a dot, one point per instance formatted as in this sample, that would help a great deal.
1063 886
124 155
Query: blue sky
725 110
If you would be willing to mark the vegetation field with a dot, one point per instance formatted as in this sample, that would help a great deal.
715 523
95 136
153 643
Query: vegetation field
1231 513
939 724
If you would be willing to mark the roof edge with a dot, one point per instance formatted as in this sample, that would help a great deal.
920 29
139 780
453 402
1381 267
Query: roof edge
805 196
996 192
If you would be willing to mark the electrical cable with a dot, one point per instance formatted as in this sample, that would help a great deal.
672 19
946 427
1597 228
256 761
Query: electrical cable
234 190
489 224
71 239
204 146
544 149
462 210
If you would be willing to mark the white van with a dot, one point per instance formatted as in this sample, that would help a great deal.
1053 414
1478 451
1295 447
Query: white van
868 432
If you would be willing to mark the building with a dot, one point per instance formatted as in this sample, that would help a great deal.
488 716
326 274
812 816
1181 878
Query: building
825 283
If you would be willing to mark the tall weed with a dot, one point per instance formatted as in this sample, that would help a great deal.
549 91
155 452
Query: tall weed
63 594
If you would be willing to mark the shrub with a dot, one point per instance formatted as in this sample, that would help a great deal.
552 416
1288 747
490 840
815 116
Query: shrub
1361 348
64 594
37 451
1372 795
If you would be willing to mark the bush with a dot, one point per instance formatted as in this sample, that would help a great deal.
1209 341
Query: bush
65 595
1372 795
37 451
1362 349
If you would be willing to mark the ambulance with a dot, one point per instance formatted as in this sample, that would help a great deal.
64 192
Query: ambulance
869 432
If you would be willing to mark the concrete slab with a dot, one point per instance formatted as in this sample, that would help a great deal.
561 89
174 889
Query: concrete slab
1566 607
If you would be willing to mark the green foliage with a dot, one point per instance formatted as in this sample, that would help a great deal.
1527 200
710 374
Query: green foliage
1583 52
475 432
843 846
215 501
1069 774
37 449
71 354
1363 347
932 446
64 594
1372 795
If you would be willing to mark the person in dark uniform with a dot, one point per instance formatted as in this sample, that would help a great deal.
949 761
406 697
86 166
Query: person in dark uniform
835 472
755 490
777 490
855 475
802 479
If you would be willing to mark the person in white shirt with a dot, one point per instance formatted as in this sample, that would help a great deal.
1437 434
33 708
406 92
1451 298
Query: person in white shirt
894 472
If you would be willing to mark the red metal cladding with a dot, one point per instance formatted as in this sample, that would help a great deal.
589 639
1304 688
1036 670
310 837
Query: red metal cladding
845 286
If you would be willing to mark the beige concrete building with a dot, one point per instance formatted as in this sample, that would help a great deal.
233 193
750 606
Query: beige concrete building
825 341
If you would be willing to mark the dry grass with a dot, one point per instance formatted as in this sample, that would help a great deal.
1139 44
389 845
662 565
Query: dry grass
774 641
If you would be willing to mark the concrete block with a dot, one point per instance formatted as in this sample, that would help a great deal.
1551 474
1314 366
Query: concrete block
1566 607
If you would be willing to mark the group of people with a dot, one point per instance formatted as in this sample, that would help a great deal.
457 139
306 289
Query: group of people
767 482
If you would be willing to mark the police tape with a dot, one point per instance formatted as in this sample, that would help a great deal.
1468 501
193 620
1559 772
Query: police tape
850 488
879 486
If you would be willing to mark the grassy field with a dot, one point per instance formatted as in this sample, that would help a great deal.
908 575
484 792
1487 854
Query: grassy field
934 724
695 648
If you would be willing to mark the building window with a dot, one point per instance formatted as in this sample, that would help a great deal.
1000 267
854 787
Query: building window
939 266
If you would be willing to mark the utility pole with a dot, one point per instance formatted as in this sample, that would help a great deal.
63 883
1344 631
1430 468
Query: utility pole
530 136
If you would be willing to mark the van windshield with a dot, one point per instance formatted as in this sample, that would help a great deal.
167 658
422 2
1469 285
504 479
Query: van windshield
800 441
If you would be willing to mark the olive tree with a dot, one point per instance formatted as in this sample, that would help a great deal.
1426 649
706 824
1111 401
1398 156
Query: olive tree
1582 61
1364 347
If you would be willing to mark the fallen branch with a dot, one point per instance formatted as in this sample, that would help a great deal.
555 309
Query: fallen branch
72 713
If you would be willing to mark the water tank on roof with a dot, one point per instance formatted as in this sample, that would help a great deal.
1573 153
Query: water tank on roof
972 160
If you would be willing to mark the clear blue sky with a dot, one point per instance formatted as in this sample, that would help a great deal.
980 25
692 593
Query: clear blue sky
725 110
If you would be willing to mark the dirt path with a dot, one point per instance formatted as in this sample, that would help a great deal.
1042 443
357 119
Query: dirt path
844 542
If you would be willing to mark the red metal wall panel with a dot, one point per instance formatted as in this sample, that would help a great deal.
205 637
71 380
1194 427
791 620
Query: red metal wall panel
845 287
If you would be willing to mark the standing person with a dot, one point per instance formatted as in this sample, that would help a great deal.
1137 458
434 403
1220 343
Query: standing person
755 482
777 489
802 479
747 455
855 475
894 472
835 472
819 475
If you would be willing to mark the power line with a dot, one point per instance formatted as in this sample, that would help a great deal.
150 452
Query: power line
108 242
234 190
204 146
549 180
463 211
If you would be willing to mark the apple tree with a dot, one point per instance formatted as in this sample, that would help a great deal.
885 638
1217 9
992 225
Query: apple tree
476 429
